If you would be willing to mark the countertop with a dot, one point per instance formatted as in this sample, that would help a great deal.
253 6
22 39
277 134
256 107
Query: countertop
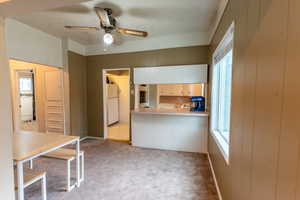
164 111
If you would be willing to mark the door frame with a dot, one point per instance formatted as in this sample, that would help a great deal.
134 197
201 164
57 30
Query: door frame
104 94
16 97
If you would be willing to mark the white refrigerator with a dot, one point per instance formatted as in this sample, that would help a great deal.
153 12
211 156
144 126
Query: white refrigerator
112 104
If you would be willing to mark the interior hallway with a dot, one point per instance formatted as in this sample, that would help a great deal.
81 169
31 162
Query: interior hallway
116 170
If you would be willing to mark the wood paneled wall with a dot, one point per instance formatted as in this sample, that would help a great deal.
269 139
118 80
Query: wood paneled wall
164 57
264 143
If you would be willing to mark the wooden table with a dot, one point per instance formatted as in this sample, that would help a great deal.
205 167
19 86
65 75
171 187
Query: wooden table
27 146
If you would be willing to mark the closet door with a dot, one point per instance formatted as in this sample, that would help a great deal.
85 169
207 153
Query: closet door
54 102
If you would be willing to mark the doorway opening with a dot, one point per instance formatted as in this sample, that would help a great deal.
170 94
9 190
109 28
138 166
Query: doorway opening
38 98
26 97
116 104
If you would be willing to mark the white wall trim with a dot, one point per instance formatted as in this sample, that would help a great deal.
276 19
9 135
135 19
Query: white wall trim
76 47
152 43
220 12
214 177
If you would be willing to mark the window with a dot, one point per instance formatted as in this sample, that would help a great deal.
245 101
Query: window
25 85
221 92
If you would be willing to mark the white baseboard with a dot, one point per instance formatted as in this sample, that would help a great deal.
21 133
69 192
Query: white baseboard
90 137
214 177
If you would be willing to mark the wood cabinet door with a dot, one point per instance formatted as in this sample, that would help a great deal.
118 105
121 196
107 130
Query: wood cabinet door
170 90
192 89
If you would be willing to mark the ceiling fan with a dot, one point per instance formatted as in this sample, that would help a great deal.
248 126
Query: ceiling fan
108 24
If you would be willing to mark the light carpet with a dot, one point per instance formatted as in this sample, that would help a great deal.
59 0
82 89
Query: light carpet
118 171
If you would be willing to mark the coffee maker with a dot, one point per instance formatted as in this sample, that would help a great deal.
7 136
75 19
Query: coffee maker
197 104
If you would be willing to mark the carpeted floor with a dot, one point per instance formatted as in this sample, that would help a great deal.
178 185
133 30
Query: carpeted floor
117 171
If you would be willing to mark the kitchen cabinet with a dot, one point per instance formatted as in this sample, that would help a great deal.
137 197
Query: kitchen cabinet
192 90
183 74
170 90
180 90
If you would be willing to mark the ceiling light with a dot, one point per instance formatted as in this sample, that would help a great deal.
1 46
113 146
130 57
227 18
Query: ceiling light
108 38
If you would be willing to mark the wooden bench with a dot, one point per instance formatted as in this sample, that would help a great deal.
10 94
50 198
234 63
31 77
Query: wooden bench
69 155
32 176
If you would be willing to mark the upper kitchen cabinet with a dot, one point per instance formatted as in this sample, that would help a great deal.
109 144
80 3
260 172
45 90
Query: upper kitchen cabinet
182 74
170 90
181 90
192 90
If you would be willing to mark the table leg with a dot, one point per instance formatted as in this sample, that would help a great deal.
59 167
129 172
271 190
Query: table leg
20 183
78 162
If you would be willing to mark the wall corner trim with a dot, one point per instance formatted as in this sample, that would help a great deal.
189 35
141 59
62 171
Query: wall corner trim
214 177
76 47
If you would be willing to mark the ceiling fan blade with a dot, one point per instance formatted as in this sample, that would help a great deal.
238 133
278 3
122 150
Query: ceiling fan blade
83 28
103 16
132 32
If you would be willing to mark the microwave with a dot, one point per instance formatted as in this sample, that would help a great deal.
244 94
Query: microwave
143 95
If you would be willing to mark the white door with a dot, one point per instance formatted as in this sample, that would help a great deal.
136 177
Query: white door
112 90
54 102
23 100
26 103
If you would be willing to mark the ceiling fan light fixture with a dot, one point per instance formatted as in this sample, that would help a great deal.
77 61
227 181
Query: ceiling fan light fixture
108 38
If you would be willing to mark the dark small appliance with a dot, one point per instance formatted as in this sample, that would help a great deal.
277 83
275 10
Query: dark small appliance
197 104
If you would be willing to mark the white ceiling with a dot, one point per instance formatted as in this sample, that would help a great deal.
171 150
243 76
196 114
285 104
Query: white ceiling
21 7
170 23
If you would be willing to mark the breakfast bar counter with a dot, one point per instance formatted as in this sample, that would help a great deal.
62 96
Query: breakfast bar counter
169 129
164 111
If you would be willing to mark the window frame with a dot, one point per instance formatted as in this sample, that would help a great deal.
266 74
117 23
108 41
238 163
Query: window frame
224 48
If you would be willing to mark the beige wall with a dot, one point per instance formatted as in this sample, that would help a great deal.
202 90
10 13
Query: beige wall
39 88
6 167
264 149
78 94
176 56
